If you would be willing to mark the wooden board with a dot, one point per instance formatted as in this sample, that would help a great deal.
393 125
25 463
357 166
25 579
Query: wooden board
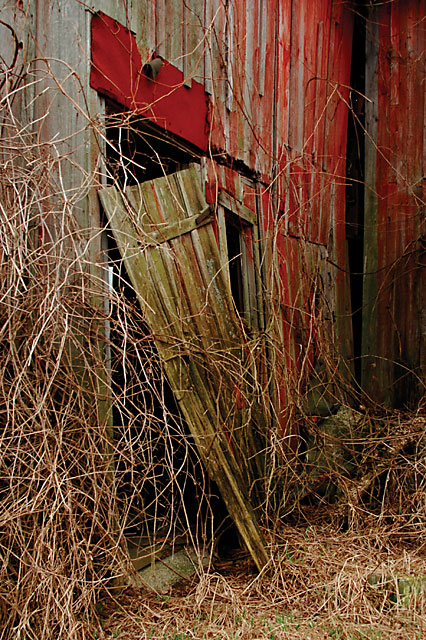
184 293
394 278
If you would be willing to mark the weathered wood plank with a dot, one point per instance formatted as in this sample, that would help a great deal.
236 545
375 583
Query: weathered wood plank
369 313
175 230
393 320
185 296
231 203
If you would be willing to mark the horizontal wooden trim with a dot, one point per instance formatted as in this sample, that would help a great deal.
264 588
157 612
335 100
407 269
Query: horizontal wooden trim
237 207
176 229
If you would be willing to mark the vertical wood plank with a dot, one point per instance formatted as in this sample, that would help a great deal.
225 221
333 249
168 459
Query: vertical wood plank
369 314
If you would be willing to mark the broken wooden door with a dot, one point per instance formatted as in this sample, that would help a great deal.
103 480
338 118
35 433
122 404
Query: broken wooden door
163 229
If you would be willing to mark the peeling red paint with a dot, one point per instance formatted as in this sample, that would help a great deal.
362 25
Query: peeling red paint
393 322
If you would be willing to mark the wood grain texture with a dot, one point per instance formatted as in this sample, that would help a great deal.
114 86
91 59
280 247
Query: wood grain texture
394 215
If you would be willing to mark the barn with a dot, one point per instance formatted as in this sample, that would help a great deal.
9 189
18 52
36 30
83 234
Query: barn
249 176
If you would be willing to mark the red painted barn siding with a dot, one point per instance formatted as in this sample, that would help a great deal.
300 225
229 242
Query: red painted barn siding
312 145
311 182
276 76
300 127
117 73
394 320
242 65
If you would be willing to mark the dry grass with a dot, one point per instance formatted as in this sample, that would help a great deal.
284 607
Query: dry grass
318 586
354 569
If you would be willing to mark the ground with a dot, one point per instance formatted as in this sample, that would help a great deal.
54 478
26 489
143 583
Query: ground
363 584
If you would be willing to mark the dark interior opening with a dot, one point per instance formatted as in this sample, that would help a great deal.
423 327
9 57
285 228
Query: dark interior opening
139 150
355 181
233 230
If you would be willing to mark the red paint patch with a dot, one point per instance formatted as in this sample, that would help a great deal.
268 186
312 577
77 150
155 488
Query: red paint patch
117 73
